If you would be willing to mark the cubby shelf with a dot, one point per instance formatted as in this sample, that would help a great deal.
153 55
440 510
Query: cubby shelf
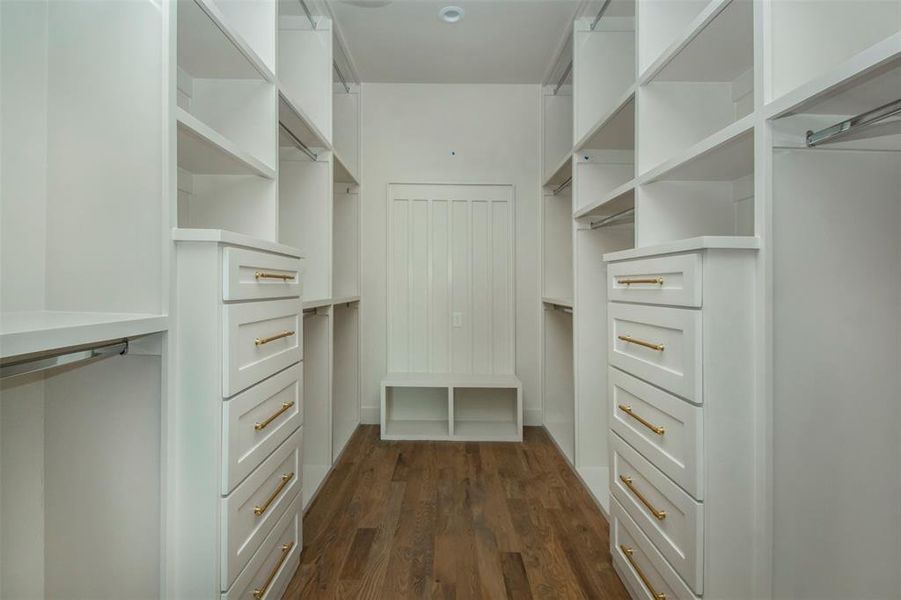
208 47
224 236
203 150
616 129
723 156
323 302
292 116
691 42
342 173
620 199
30 332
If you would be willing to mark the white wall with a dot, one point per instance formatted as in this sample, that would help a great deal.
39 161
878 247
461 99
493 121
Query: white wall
432 133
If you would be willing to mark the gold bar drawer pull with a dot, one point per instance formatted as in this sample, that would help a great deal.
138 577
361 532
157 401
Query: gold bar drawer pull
264 275
261 591
632 340
655 428
272 338
651 280
263 424
644 578
259 510
659 514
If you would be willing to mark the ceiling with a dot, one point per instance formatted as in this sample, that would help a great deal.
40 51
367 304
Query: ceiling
497 41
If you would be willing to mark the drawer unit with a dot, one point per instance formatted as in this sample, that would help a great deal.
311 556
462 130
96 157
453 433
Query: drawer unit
641 566
252 275
660 345
665 429
259 339
257 421
271 568
670 280
670 518
250 512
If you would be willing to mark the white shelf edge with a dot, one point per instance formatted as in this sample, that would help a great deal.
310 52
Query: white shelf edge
557 301
448 380
224 236
858 65
614 194
561 167
301 114
704 242
705 146
627 97
218 142
693 30
345 299
237 40
44 331
343 169
323 302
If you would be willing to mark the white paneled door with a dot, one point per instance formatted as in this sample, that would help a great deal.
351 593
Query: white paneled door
450 278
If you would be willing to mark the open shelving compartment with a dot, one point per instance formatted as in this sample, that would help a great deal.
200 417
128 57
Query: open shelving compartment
317 404
557 378
345 374
84 261
417 412
556 243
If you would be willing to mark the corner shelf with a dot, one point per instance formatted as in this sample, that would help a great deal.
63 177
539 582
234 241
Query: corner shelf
30 332
209 47
203 150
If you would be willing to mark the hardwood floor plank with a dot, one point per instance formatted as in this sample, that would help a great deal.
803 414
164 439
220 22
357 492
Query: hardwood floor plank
454 521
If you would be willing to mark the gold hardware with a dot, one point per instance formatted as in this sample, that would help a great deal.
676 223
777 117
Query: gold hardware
272 338
655 428
261 591
654 280
644 579
660 514
259 510
265 275
632 340
263 424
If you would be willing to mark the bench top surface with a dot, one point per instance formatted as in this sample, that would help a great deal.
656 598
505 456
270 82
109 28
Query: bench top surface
460 380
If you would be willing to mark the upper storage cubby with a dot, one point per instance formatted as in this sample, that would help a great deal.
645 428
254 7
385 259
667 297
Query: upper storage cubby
82 216
557 129
304 77
225 115
346 130
814 40
696 73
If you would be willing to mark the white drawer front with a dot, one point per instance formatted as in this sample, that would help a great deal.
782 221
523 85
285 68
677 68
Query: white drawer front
664 429
641 566
674 280
252 275
670 518
260 338
257 421
660 345
271 568
250 512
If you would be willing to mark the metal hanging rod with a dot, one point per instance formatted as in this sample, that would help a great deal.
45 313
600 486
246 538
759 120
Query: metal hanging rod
566 182
612 219
306 9
341 77
46 362
300 145
840 130
569 67
558 307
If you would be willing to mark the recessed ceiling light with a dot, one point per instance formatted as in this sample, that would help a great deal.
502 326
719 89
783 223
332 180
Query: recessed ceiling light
451 14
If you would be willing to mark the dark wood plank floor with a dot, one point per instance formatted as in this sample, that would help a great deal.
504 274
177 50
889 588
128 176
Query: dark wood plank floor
400 520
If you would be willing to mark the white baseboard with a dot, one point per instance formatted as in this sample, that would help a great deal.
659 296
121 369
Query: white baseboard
369 415
531 417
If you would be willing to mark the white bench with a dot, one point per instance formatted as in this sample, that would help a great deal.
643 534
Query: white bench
451 406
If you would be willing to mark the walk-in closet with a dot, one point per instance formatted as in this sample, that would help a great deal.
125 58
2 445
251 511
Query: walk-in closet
390 299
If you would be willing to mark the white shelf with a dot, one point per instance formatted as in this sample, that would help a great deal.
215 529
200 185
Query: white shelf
707 242
342 173
204 151
292 116
209 48
618 200
462 380
313 477
616 129
485 431
41 331
323 302
223 236
557 301
726 155
597 481
559 175
715 46
416 430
